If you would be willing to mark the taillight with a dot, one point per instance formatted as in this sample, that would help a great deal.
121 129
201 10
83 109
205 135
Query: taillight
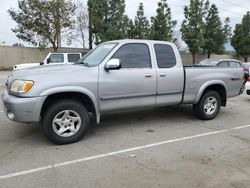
248 79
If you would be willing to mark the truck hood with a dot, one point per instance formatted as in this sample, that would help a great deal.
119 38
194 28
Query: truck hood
48 69
47 77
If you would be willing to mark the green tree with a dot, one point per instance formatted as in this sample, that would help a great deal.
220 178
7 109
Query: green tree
141 29
241 38
193 26
96 11
42 22
162 23
227 29
80 30
215 36
131 29
107 20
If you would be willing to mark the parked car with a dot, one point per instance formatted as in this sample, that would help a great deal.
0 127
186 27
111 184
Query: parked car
116 76
52 59
232 63
225 63
247 87
246 64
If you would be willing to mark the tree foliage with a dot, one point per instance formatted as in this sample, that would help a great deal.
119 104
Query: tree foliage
241 38
79 32
141 26
131 29
215 35
227 29
107 20
42 22
162 23
193 26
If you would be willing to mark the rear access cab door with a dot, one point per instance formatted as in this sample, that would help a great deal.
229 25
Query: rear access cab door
170 74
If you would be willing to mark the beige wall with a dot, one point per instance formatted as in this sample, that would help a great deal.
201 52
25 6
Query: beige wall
10 56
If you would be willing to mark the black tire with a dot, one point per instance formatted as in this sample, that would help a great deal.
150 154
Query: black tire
199 108
60 106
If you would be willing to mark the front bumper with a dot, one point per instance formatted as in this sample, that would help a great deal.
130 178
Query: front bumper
20 109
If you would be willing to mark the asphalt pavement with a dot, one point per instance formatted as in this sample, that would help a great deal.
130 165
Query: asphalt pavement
164 147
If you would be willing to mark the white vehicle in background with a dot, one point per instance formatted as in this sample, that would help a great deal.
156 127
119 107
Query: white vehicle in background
247 86
52 59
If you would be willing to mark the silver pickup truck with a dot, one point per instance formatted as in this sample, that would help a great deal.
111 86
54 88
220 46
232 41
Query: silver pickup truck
115 76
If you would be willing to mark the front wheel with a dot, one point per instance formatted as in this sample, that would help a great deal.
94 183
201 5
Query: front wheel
208 107
65 122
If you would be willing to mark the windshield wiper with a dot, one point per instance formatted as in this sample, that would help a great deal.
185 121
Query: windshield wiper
83 63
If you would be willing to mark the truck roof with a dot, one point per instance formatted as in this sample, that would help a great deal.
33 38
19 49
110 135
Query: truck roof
140 41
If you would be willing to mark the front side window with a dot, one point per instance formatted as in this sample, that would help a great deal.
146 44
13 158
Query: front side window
165 56
133 56
73 57
56 58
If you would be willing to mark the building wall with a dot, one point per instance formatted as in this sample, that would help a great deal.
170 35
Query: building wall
10 56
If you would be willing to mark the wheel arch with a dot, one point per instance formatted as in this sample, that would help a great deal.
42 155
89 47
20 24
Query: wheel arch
217 86
86 97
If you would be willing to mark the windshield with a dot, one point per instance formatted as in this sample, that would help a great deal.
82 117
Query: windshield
95 56
209 62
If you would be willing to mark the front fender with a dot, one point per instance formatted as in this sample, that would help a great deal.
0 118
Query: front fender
206 85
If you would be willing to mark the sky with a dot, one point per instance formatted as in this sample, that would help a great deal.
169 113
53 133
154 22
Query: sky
227 8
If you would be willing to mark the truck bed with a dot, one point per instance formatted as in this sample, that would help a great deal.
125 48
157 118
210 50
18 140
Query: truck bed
199 77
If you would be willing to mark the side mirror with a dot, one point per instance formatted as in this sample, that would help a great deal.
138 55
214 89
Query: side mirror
48 60
113 64
41 63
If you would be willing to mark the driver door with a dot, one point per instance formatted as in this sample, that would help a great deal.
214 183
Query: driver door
133 85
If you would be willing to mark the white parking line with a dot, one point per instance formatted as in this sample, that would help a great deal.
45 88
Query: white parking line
30 171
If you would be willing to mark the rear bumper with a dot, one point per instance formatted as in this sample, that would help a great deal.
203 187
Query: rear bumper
19 109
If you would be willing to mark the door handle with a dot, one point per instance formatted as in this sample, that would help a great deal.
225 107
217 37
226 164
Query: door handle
149 75
163 75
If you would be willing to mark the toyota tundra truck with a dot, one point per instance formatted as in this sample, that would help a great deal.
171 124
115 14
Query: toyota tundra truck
116 76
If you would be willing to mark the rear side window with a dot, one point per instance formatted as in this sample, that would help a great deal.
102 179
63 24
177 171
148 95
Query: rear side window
165 56
133 56
73 57
56 58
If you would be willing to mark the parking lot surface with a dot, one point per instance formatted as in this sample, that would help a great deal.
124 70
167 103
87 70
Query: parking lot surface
164 147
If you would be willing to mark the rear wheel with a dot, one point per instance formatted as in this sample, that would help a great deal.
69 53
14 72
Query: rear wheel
65 122
208 107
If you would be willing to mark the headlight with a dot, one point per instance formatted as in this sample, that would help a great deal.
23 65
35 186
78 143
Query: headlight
21 86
